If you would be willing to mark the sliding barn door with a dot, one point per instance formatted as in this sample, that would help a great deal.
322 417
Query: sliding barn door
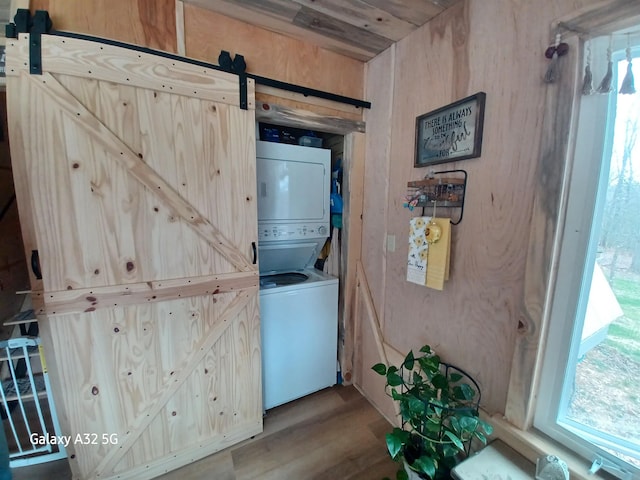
136 185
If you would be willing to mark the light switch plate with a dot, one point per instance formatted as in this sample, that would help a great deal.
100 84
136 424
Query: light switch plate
391 243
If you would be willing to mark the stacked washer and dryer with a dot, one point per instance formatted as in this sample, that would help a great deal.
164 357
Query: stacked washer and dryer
298 303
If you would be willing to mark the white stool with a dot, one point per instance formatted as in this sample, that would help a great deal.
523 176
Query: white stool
496 461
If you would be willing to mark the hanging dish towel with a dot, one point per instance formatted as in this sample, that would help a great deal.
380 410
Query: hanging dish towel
438 257
418 251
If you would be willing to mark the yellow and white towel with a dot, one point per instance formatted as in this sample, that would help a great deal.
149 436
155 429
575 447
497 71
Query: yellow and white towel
439 253
428 264
418 251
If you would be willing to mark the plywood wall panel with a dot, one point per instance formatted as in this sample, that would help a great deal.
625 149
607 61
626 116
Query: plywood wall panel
204 34
472 322
270 54
379 89
559 141
150 23
496 47
370 382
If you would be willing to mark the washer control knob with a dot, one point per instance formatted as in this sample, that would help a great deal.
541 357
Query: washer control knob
322 230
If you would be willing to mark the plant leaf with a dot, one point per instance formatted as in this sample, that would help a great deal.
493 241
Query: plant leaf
395 441
416 406
469 424
394 444
430 365
393 379
464 392
380 368
425 465
452 436
440 382
433 427
487 427
449 451
409 360
455 424
455 377
426 349
395 395
402 475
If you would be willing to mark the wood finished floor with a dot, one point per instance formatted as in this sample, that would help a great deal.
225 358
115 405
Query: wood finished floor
333 434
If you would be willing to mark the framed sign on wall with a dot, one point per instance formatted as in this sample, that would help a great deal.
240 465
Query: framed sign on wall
453 132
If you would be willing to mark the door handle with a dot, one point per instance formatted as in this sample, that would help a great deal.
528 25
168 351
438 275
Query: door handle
255 252
35 264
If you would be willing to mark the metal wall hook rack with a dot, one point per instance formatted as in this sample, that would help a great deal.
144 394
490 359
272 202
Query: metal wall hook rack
439 191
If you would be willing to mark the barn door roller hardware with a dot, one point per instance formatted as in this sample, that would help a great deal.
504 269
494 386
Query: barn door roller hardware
36 26
41 23
238 66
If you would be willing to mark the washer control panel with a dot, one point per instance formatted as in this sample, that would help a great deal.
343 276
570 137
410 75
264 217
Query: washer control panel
292 232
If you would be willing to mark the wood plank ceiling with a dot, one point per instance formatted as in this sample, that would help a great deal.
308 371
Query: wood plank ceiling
360 29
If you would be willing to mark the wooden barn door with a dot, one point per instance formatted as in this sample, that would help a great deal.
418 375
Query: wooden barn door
136 184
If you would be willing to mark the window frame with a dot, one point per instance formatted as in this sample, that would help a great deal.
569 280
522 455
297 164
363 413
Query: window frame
588 181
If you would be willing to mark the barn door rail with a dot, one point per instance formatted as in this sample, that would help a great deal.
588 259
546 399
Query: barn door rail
41 23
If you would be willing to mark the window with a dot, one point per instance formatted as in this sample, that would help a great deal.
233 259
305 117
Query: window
589 396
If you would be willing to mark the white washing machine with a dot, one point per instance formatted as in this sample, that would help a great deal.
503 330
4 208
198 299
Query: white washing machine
299 327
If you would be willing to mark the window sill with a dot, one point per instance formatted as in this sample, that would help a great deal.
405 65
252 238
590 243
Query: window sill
532 444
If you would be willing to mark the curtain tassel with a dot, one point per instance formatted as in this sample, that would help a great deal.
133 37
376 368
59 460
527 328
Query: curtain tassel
552 70
627 86
587 83
605 84
554 52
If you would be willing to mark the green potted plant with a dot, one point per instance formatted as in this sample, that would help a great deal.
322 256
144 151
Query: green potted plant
439 410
